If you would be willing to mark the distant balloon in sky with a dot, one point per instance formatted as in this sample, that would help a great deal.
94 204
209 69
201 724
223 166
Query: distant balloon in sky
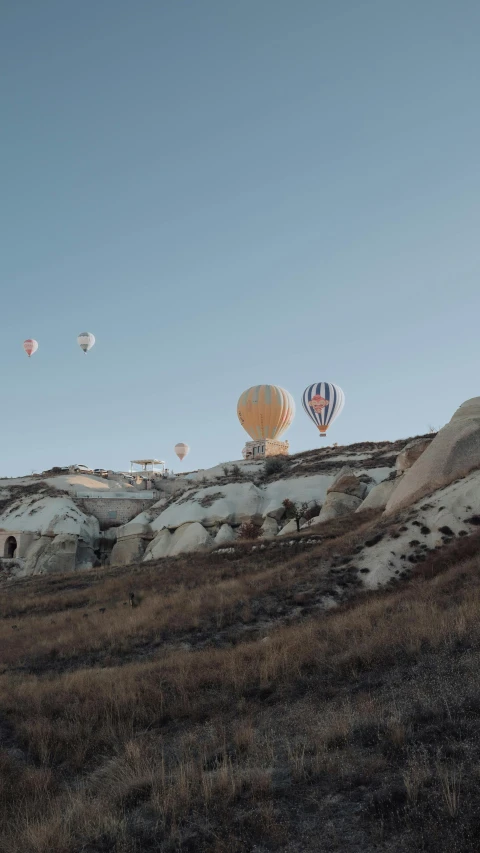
86 341
30 346
323 402
265 411
182 450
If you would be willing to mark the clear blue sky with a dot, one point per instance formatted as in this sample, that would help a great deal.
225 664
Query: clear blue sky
232 192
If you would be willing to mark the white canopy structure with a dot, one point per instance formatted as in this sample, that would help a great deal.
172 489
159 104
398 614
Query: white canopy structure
148 467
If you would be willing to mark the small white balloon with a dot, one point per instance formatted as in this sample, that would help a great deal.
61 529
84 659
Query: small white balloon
86 341
181 450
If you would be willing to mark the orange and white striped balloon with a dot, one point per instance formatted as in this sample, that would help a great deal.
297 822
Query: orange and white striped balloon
182 450
265 411
30 346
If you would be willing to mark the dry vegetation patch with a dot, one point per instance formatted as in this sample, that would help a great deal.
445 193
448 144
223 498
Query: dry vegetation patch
356 729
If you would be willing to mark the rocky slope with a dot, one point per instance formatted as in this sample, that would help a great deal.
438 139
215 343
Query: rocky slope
216 508
54 532
428 489
45 515
207 508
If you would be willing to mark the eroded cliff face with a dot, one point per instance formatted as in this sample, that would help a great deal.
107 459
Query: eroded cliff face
43 530
208 508
205 509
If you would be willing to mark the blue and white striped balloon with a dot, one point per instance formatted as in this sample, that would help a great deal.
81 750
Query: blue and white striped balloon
323 402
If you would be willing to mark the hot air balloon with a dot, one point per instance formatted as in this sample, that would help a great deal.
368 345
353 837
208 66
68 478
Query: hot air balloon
86 341
182 450
323 402
265 411
30 346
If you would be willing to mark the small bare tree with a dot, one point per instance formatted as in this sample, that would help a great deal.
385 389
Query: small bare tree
299 510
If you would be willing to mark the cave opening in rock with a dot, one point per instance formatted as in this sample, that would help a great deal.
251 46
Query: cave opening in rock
10 547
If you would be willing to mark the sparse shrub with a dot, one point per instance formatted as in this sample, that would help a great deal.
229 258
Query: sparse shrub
236 471
292 510
226 470
450 782
248 530
275 465
300 510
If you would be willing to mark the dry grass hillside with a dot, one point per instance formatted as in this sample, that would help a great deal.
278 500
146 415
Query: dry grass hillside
233 709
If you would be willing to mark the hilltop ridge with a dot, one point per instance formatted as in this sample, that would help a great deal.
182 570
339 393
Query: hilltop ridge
115 522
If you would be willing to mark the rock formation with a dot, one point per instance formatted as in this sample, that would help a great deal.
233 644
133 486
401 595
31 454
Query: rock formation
52 534
378 497
412 451
454 452
205 509
132 540
344 495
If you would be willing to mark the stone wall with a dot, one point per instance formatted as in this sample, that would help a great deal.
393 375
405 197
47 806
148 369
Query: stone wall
264 447
112 512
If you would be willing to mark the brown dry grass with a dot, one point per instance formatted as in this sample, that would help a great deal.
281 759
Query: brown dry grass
181 600
359 727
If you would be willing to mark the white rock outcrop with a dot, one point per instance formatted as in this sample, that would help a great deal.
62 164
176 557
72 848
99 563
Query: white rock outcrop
128 550
138 526
345 495
269 528
379 496
212 506
225 534
160 546
49 516
451 511
132 539
52 554
410 453
189 537
454 452
348 483
61 536
236 503
337 504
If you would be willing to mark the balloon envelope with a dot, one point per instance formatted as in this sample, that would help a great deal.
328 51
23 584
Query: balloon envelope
265 411
323 402
86 341
30 346
181 450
